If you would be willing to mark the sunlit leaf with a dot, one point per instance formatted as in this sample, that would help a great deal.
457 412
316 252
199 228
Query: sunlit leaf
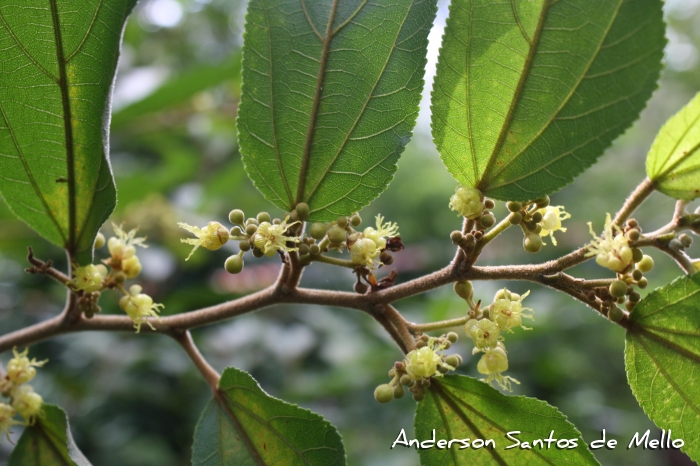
528 93
662 355
673 163
58 60
330 96
460 407
245 426
48 442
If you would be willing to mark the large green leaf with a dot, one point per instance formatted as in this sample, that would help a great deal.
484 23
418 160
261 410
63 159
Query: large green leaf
662 355
245 426
673 163
48 442
330 95
460 407
528 93
58 61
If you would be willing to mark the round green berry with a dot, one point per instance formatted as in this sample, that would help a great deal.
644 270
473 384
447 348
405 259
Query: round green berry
342 222
236 217
537 217
318 230
257 252
99 240
356 220
399 391
515 218
514 206
251 229
532 243
637 275
406 380
452 337
634 234
637 255
489 204
303 211
487 220
234 264
464 289
384 393
263 217
646 264
336 234
643 283
618 289
314 250
456 237
615 314
244 246
453 360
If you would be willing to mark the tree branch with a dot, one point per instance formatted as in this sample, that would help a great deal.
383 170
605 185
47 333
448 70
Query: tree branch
210 375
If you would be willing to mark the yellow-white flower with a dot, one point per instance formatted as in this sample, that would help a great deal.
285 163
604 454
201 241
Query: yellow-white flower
26 402
139 307
20 369
211 237
364 251
612 250
492 364
89 278
270 238
123 245
551 221
131 267
382 232
423 363
7 414
485 333
508 311
468 202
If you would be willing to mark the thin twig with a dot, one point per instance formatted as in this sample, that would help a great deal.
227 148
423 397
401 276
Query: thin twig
210 375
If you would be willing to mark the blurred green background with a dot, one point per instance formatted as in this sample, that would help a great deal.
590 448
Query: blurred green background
134 399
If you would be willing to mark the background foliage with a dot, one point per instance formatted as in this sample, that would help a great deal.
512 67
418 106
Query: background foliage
136 400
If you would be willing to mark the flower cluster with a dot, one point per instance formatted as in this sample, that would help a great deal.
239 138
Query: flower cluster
211 237
419 366
612 250
537 219
467 202
503 314
551 221
139 307
23 399
370 244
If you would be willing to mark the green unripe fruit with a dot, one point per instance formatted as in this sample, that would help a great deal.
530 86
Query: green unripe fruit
236 217
314 250
99 240
456 237
264 217
634 297
537 217
515 218
453 360
360 287
618 289
234 264
634 235
646 264
514 206
356 220
399 392
384 393
637 255
251 229
406 380
489 204
303 211
542 202
303 249
615 314
487 220
637 275
642 283
464 290
452 337
336 234
257 252
418 396
318 230
532 243
244 246
120 277
685 240
342 222
236 231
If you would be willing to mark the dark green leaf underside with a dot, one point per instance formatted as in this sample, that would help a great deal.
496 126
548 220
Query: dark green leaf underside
673 163
662 356
528 93
460 407
330 96
48 442
58 62
245 426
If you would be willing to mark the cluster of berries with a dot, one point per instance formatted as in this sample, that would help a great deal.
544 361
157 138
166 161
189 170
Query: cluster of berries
537 219
23 399
419 366
90 280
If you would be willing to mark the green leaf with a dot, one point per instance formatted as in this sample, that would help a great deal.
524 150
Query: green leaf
460 407
244 426
48 442
330 95
58 61
180 88
528 93
662 356
673 163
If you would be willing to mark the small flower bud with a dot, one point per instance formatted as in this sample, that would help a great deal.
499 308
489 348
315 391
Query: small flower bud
336 234
303 249
537 217
251 221
489 204
615 314
406 380
342 222
542 202
642 283
386 258
487 220
515 218
360 287
356 220
637 275
646 264
514 206
418 396
399 391
236 217
131 267
119 277
685 240
634 297
452 337
530 226
384 393
263 217
314 250
456 237
236 231
234 264
303 211
633 235
453 360
244 246
630 305
318 230
464 289
251 229
618 289
257 252
637 255
532 243
99 240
